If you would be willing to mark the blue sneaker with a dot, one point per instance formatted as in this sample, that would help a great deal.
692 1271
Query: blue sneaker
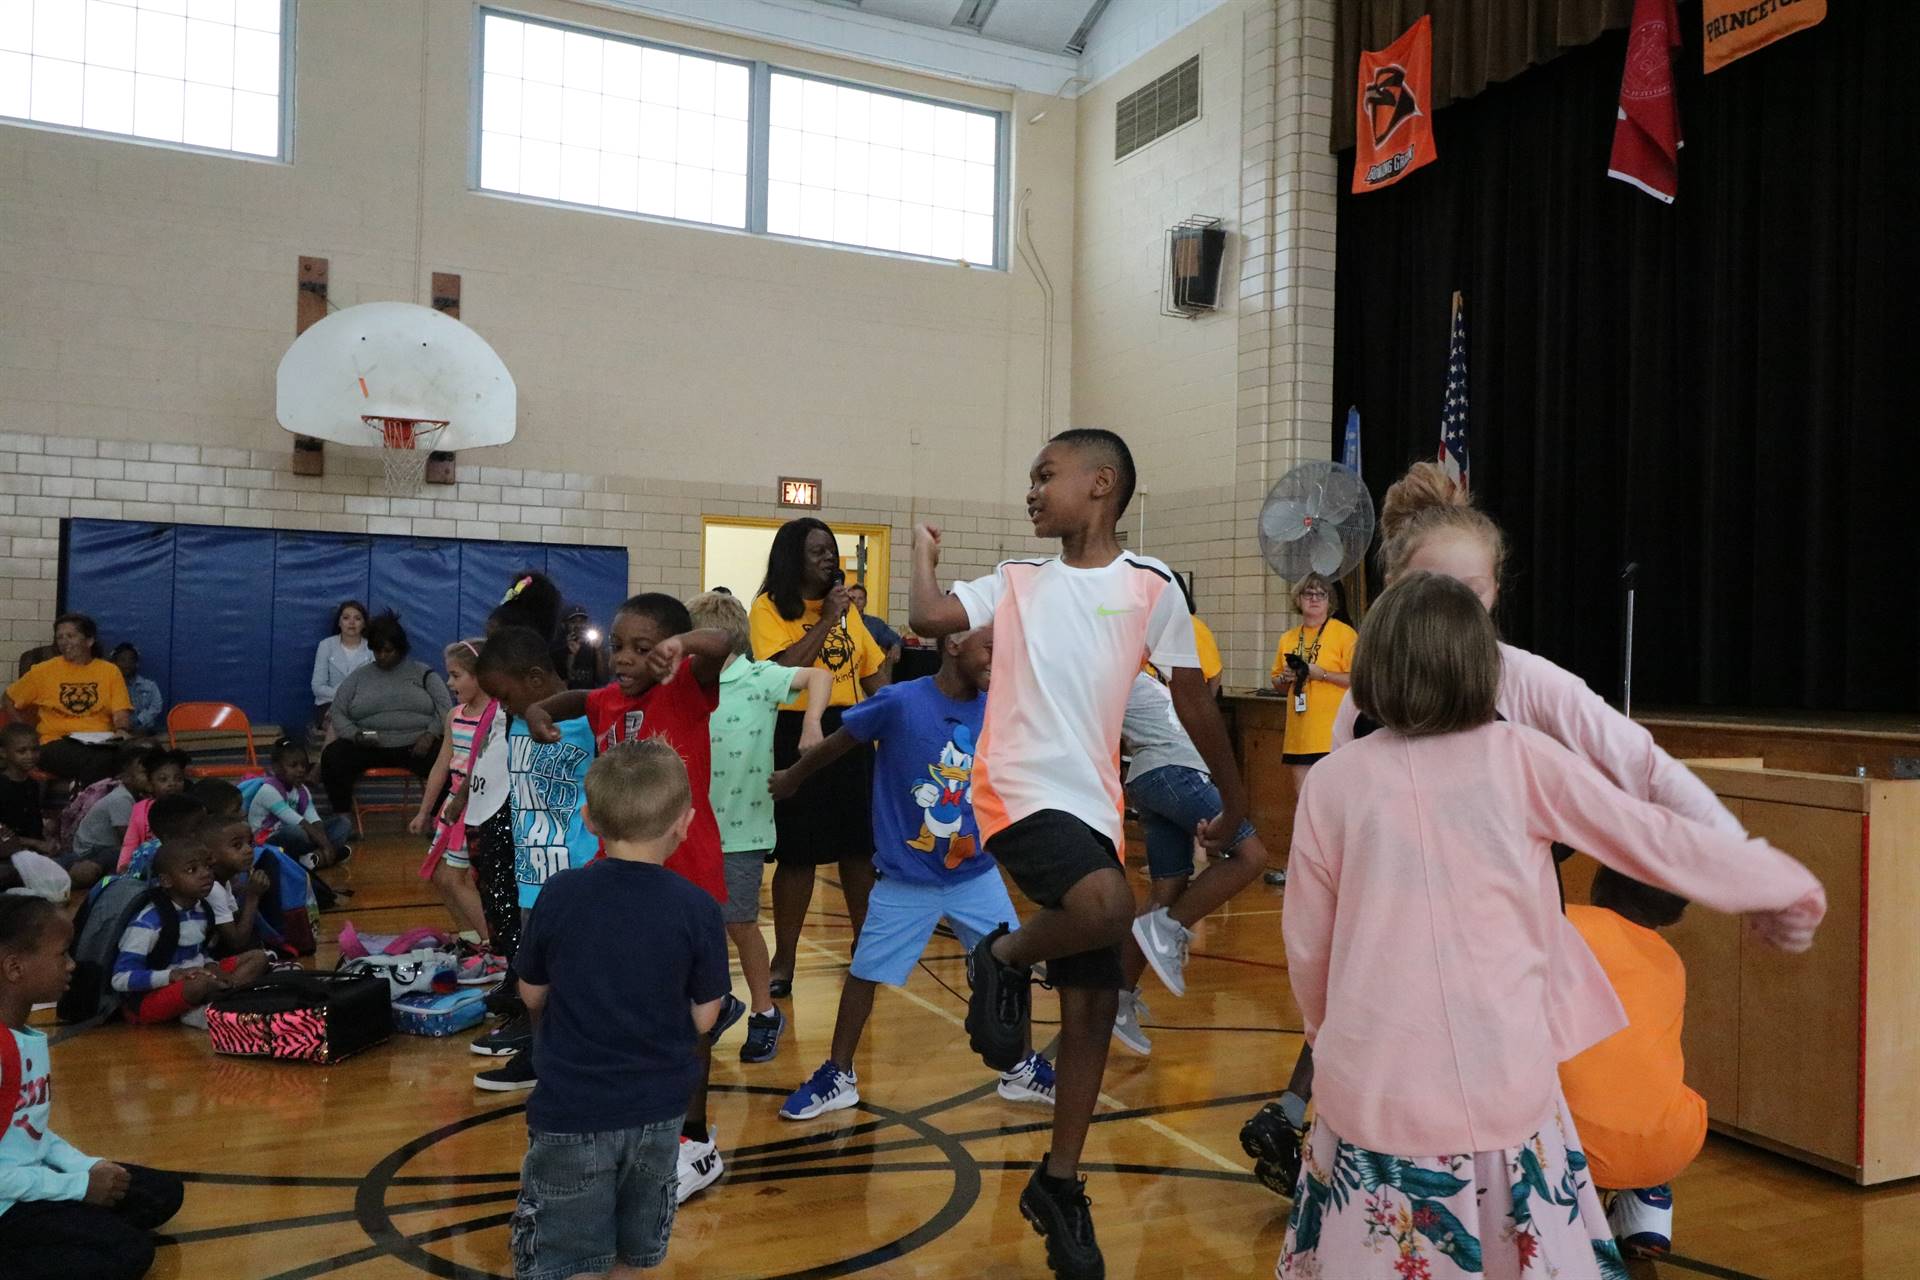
731 1007
1031 1081
830 1089
1642 1221
763 1036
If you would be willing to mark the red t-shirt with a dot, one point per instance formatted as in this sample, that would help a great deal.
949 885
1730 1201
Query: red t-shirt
676 712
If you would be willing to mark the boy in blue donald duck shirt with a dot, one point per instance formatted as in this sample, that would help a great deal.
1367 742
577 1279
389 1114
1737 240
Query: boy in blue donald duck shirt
926 851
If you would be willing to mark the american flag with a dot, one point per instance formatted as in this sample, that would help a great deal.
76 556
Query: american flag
1453 419
1350 446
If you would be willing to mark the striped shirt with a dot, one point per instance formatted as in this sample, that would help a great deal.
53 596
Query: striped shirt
131 976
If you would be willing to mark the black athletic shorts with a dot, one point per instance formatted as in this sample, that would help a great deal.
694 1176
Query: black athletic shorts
1047 853
1308 758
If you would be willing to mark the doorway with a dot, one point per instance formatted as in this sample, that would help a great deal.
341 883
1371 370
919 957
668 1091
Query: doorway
733 554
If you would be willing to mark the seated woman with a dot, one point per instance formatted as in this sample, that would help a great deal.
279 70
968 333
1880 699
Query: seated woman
339 656
389 714
77 692
149 705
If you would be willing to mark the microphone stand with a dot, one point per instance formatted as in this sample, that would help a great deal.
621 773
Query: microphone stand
1629 578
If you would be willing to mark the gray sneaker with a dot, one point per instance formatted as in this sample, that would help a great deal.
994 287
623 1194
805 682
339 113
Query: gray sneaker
1126 1023
1165 941
1276 877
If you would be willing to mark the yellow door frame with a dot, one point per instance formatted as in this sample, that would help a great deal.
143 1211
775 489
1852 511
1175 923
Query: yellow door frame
879 548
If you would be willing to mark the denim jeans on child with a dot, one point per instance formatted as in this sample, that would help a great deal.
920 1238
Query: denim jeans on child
591 1200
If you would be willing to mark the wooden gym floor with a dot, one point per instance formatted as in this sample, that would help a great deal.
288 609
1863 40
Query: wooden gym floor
392 1165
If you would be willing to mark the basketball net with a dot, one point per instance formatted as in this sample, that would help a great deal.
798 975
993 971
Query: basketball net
405 444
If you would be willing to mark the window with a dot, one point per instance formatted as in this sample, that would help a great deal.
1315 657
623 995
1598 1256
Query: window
1157 108
605 121
200 73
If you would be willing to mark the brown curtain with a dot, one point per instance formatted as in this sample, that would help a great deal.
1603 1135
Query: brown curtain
1475 42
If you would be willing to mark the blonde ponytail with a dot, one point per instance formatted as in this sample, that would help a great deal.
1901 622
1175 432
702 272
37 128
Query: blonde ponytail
1425 502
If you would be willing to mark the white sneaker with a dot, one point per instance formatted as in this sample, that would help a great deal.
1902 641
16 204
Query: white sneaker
1642 1221
700 1166
1165 942
195 1017
1031 1081
1126 1023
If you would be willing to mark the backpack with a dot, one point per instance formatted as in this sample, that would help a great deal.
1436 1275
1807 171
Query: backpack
67 825
109 909
288 910
250 787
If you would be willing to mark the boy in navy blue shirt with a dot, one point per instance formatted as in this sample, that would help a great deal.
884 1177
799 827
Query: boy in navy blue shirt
927 852
622 966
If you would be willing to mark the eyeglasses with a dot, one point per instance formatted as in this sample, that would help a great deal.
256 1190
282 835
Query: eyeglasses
1313 595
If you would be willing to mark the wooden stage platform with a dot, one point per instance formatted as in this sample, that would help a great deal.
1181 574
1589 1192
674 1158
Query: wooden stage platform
391 1165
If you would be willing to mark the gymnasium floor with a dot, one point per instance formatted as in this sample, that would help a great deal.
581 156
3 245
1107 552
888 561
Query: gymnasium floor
393 1165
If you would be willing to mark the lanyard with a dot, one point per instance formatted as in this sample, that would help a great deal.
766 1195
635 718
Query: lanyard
1300 650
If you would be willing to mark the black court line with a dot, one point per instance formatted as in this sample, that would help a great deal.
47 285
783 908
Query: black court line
1704 1268
269 1225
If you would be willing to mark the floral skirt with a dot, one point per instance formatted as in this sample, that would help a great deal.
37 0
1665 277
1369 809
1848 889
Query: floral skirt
1528 1211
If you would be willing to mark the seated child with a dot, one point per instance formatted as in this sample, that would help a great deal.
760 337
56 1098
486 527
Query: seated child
1641 1125
171 818
623 966
103 824
283 919
741 734
162 984
20 810
63 1215
149 706
926 849
1169 787
238 885
282 811
166 776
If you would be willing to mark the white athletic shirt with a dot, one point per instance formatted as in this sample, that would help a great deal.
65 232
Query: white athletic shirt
1153 732
487 773
1066 645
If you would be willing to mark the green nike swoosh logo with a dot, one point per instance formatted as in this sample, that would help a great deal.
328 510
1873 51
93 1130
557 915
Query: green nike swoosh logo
1105 612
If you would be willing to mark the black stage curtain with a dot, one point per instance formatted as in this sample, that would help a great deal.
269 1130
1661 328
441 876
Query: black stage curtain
1709 388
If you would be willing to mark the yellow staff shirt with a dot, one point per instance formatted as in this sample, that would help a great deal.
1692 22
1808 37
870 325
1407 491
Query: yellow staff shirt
71 698
850 653
1310 733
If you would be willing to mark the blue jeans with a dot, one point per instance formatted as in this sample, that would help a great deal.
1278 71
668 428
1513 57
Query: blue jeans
296 844
591 1200
1172 802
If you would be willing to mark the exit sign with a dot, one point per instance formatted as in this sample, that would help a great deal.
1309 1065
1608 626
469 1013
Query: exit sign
799 493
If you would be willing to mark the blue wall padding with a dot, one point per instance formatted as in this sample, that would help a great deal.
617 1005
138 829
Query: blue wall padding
233 615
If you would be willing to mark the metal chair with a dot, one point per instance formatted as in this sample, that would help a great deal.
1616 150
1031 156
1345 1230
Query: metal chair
213 717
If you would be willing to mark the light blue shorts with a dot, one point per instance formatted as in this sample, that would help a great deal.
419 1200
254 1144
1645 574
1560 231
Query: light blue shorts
901 917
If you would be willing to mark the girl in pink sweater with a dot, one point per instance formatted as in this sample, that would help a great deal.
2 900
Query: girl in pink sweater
1424 942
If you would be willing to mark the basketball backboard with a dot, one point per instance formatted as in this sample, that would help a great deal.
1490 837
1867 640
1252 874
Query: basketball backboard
394 360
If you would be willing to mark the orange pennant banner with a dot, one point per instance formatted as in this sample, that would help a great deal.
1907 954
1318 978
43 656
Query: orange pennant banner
1394 133
1735 28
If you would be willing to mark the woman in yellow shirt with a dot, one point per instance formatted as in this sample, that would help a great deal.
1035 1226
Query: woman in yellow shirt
1311 667
802 618
76 692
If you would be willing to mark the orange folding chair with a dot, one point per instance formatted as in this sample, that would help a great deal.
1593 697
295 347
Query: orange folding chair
213 717
409 796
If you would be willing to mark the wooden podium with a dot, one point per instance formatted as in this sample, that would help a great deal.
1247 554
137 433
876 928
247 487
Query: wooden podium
1813 1056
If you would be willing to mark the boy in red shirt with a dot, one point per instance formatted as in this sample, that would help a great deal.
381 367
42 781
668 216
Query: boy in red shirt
666 684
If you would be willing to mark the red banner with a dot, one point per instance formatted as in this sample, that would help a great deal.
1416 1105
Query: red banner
1735 28
1394 134
1646 132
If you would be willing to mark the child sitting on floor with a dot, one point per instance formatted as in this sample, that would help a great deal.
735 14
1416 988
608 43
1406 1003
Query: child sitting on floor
20 811
238 885
282 811
172 983
1641 1125
171 818
101 824
167 775
63 1215
926 849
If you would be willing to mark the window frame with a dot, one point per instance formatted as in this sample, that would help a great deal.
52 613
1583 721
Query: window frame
288 62
760 73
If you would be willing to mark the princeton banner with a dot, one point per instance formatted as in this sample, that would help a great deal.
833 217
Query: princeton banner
1735 28
1394 129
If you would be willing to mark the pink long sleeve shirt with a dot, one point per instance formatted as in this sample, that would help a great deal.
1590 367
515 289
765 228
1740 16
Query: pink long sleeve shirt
1424 937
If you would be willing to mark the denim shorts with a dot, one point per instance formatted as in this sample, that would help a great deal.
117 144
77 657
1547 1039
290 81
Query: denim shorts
591 1200
1172 802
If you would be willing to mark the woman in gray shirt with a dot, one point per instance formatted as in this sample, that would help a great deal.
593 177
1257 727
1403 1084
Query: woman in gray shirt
390 714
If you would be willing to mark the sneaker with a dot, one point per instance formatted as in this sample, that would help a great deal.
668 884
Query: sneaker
195 1017
1165 941
763 1036
511 1076
1060 1212
480 969
780 988
830 1089
1642 1221
700 1166
504 1000
1031 1081
512 1035
1277 877
1127 1020
1001 1004
1273 1137
731 1007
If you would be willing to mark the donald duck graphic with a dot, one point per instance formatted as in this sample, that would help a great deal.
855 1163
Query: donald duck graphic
947 800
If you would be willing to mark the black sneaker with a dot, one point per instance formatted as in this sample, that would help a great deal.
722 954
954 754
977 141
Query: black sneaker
1001 1004
780 988
1274 1142
511 1076
1060 1212
504 1000
731 1007
763 1036
510 1036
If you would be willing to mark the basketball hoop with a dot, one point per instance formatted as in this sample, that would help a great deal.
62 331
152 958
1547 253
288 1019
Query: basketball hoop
405 444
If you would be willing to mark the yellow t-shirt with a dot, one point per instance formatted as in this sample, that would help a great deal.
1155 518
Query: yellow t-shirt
1311 733
1208 649
849 653
71 699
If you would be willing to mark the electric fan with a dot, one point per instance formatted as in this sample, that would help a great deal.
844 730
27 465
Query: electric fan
1318 518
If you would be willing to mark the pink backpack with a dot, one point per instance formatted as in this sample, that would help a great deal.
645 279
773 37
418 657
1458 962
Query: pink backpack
67 825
